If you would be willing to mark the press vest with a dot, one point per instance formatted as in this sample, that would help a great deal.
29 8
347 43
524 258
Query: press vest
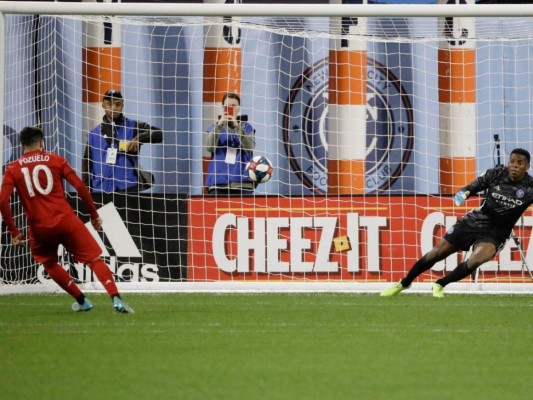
107 177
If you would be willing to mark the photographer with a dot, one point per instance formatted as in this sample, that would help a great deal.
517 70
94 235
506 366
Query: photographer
231 141
111 158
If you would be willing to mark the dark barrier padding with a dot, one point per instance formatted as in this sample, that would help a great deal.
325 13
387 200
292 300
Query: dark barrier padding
157 225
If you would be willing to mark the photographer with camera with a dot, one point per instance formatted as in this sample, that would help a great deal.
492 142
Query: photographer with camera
231 142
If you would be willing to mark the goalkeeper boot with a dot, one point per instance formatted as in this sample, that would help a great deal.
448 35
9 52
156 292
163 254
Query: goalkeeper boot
121 307
394 290
86 306
438 290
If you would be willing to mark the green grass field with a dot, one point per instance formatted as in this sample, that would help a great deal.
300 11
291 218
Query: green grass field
268 346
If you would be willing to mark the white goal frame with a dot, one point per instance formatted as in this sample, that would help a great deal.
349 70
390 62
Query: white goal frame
295 10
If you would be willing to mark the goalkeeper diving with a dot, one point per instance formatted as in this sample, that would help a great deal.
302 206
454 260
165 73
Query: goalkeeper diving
509 192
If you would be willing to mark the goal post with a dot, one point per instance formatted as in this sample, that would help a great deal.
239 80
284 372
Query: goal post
372 116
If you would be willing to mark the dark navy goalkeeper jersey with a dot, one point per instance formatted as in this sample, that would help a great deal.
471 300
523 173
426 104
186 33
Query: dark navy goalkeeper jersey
505 200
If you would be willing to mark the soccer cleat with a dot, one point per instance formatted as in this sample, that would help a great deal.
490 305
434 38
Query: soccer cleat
121 307
394 290
438 290
86 306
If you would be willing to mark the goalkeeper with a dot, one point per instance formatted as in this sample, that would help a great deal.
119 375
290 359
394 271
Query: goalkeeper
509 192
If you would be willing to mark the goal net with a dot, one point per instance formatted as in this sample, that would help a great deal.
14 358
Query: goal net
370 124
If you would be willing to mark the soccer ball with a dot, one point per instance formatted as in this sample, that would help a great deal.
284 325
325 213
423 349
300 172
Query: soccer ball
259 169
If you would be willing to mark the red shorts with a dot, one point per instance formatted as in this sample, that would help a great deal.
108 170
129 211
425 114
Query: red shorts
72 234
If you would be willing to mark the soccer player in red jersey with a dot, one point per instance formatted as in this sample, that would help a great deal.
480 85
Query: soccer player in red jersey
38 178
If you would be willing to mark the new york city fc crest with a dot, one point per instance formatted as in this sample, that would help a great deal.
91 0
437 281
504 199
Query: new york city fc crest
389 124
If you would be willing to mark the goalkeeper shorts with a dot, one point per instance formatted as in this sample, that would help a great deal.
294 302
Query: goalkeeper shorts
465 236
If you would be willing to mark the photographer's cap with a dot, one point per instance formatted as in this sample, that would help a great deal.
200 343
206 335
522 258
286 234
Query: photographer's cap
113 94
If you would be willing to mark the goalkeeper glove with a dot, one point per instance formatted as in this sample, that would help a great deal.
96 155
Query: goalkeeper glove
460 197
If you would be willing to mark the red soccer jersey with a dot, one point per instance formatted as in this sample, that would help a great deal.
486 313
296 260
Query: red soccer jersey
38 177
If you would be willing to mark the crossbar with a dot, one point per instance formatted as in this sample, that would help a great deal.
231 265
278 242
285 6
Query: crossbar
310 10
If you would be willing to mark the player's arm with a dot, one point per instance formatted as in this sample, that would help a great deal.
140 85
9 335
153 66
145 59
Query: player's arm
481 183
71 177
5 209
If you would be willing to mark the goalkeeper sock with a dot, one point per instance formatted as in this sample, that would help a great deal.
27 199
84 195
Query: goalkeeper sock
104 275
64 280
421 266
460 272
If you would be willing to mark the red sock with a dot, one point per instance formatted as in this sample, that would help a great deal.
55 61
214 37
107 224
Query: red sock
63 279
104 275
